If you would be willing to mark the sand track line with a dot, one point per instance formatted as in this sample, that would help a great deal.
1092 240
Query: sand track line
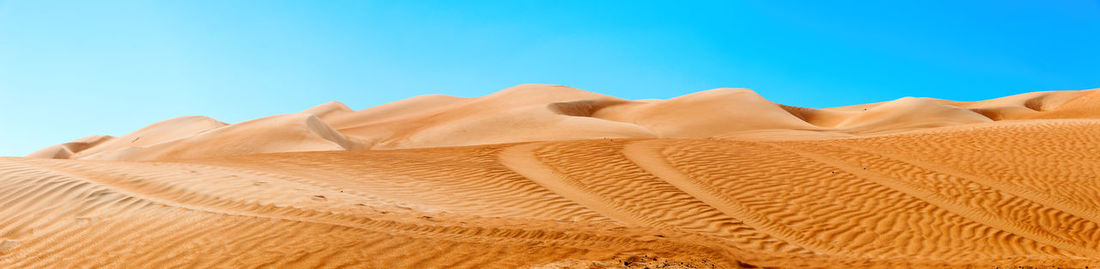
1029 194
942 202
522 160
649 159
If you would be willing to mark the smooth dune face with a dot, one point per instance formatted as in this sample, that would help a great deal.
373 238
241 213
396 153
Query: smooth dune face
556 177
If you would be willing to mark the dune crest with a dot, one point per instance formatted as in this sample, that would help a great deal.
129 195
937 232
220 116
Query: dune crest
329 110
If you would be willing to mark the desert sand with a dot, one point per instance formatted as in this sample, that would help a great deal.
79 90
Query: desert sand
545 176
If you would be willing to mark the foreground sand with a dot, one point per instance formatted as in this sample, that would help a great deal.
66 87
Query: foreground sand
987 193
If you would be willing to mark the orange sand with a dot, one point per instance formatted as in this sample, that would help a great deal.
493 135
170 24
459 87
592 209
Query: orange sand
540 176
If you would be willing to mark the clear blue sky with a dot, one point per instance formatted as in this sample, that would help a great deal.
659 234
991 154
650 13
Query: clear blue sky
74 68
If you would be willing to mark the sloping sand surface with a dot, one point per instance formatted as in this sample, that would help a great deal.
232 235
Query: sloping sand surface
556 177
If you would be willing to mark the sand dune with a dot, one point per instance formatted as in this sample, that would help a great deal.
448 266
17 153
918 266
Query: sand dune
907 114
517 114
533 112
281 133
543 176
705 114
164 131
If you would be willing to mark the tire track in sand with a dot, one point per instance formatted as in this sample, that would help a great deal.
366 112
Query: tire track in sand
937 199
1056 202
522 160
599 167
647 158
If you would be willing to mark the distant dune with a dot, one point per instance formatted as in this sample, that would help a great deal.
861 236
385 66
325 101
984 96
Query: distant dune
543 176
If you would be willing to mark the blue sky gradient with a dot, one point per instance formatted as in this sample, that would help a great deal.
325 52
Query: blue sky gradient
69 69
